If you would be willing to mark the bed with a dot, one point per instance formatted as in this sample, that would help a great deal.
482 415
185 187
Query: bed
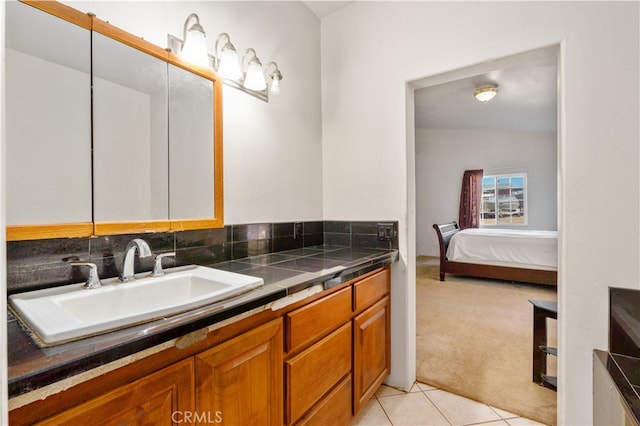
503 254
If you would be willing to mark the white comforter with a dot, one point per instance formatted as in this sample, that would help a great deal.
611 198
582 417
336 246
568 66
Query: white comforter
507 247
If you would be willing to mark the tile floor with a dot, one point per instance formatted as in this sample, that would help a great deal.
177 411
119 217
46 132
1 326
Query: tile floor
425 405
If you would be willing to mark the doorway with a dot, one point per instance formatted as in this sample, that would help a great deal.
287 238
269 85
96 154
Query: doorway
472 135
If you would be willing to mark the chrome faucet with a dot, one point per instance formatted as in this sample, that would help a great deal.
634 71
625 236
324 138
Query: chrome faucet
157 267
93 281
129 254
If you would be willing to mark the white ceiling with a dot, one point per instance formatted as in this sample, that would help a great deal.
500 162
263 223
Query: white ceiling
324 8
526 101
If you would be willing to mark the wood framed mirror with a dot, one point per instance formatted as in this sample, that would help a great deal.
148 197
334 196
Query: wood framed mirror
147 156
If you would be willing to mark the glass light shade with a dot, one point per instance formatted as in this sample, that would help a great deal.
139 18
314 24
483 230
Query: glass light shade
485 94
275 85
254 79
229 66
194 49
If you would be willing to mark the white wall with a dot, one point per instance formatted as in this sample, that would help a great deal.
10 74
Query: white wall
442 156
371 49
272 171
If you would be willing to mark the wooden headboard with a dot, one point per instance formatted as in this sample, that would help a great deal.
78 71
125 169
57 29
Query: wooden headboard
445 232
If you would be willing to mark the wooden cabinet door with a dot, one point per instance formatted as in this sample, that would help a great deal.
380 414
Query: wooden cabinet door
371 352
240 382
162 398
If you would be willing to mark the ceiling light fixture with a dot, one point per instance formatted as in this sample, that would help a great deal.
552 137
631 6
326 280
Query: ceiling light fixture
485 93
192 48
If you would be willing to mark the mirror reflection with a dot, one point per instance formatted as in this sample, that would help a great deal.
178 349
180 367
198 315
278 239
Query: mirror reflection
48 118
130 133
191 154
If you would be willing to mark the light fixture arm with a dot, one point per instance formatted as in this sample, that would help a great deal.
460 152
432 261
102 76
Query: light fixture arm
276 72
253 58
196 26
217 44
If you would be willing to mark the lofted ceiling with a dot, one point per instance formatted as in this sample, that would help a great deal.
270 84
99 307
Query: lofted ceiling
526 101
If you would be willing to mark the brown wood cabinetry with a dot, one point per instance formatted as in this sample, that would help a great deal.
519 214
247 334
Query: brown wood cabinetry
371 289
314 363
162 398
371 352
334 409
313 321
315 371
353 325
240 381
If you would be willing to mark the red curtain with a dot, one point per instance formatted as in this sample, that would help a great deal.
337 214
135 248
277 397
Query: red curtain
470 196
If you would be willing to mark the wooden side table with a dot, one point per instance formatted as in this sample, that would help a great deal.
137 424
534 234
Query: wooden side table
543 309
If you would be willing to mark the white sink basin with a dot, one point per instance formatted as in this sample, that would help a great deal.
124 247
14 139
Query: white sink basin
71 312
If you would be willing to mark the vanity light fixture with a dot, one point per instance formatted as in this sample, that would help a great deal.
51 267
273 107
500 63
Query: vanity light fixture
194 48
253 77
276 78
225 62
485 93
227 58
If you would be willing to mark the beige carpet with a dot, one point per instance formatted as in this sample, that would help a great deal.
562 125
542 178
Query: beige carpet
474 339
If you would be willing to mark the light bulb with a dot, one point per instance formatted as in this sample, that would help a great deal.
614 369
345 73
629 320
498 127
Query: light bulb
485 94
194 49
275 85
229 66
254 79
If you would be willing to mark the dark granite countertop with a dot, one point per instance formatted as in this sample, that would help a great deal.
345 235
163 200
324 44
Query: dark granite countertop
31 367
625 372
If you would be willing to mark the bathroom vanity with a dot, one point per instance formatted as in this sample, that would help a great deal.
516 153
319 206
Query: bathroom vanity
310 348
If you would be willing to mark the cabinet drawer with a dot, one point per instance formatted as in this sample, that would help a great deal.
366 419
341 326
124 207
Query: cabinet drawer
334 409
309 323
371 289
313 372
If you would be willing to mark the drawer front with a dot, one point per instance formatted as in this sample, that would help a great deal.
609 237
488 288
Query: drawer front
334 409
311 322
371 289
313 372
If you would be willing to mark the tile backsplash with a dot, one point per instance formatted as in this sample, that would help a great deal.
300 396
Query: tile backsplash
45 263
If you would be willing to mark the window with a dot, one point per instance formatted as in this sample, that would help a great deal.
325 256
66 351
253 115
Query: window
510 191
